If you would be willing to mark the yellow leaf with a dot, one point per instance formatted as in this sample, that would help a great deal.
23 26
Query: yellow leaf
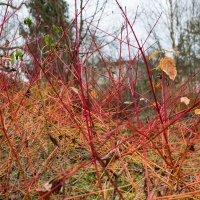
167 64
185 100
153 54
94 94
197 111
154 104
158 85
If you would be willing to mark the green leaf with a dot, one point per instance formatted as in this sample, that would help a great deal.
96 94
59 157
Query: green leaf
28 22
47 39
12 58
18 54
56 29
52 45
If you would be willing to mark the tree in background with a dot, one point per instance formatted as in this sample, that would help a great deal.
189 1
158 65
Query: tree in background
188 44
51 28
52 12
47 13
179 20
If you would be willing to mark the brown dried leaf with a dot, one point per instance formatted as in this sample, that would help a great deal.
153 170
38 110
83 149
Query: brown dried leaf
158 85
176 51
128 102
7 43
185 100
56 182
46 187
74 90
54 140
153 54
167 64
172 51
46 27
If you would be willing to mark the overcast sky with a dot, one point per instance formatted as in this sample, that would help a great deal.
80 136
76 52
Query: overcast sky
112 17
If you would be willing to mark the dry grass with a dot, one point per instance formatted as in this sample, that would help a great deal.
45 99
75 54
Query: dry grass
44 139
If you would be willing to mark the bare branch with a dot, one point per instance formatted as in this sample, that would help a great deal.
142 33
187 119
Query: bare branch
11 6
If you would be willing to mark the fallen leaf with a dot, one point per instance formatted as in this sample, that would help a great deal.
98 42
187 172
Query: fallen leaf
143 99
74 90
56 182
128 102
197 111
185 100
167 65
46 187
54 140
